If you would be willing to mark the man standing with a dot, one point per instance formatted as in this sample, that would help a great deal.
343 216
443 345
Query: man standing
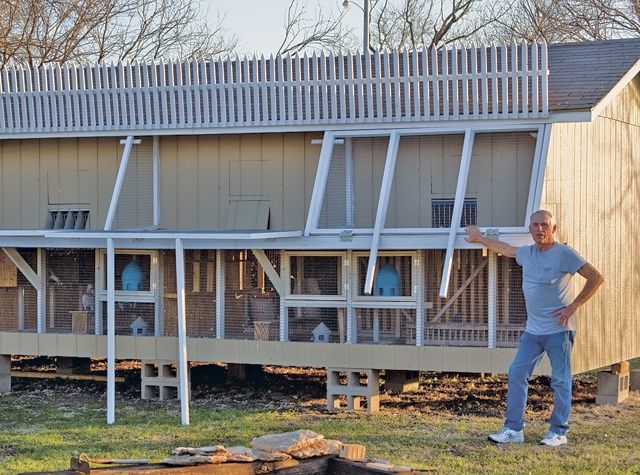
547 267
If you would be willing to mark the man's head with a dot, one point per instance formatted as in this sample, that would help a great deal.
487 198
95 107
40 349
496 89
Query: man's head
542 227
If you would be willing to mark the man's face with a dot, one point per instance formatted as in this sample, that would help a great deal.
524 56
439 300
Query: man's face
542 228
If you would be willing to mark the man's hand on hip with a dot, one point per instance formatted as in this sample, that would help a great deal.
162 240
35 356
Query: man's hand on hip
564 314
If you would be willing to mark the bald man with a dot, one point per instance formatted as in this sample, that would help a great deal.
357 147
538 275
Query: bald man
547 269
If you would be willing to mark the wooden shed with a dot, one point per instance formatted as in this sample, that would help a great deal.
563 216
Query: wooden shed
252 200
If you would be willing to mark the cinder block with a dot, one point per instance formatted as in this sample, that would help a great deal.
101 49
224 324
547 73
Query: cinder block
5 374
353 389
612 388
160 380
634 380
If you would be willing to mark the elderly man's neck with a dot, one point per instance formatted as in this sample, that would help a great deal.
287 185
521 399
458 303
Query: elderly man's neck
545 246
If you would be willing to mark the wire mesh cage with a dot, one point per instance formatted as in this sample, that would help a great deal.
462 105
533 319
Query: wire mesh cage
252 306
200 293
18 298
132 318
394 326
315 275
70 289
510 305
316 324
460 319
392 279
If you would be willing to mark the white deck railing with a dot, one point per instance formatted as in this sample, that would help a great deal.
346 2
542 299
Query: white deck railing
346 88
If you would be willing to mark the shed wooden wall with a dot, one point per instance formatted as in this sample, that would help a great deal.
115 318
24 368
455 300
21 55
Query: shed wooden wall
205 179
592 185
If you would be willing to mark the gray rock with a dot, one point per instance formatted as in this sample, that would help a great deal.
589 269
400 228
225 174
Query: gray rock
286 442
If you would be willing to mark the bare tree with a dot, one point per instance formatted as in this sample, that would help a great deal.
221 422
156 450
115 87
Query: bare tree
430 23
37 32
306 27
557 21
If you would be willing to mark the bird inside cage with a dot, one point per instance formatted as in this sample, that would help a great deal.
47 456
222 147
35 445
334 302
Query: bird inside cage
89 299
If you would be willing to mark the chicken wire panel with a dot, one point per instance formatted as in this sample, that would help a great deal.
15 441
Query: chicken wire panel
315 275
389 326
18 298
252 306
132 272
392 277
135 203
404 198
500 176
510 305
200 293
70 290
132 318
333 213
461 318
320 325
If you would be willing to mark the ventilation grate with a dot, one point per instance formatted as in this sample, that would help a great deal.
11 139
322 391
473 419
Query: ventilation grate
441 211
67 219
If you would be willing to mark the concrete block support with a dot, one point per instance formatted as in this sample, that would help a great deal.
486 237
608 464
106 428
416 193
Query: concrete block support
5 374
401 381
160 380
612 388
634 379
353 389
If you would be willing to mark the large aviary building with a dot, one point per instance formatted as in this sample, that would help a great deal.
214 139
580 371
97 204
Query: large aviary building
308 210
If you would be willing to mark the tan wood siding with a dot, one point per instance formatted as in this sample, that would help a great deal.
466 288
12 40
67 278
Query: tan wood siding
592 185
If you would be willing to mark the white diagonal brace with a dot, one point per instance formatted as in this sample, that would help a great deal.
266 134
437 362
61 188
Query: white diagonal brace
544 154
183 362
534 173
383 204
117 187
458 204
23 266
320 183
275 279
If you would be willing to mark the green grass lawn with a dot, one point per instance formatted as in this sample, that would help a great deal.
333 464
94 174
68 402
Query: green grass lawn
40 428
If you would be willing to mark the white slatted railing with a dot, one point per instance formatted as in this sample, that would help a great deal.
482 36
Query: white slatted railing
448 84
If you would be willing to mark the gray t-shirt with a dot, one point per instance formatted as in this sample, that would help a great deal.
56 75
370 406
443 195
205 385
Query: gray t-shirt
545 283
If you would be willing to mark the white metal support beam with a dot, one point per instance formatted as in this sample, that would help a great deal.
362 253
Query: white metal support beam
458 204
156 180
117 187
98 285
544 154
492 295
220 284
183 362
383 204
111 333
275 279
320 183
41 290
534 173
23 266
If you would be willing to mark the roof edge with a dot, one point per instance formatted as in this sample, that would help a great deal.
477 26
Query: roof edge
613 92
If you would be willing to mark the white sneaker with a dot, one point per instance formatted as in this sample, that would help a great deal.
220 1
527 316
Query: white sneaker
554 440
507 436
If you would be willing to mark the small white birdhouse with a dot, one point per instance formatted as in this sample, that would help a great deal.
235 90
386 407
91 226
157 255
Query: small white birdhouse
321 333
139 327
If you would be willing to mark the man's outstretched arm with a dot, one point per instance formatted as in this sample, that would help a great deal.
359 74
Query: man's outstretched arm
475 235
594 280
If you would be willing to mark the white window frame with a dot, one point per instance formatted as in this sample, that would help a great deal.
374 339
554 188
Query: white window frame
139 296
309 300
377 301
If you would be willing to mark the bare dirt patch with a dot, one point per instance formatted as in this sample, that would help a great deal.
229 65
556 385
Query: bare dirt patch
303 389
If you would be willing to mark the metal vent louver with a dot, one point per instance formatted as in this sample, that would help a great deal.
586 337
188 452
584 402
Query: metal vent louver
67 219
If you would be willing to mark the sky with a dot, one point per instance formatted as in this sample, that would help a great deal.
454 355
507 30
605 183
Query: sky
260 23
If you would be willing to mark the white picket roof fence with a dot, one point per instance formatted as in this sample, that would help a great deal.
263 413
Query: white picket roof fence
503 82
